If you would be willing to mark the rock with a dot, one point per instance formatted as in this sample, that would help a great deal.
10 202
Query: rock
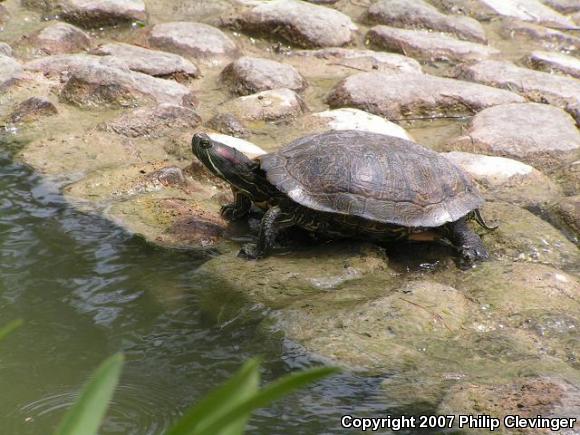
248 75
563 6
550 38
568 212
419 14
425 45
5 49
229 124
153 62
267 105
508 180
529 132
196 40
536 86
555 62
10 72
351 59
159 121
33 109
397 96
299 23
95 81
57 38
93 13
355 119
248 148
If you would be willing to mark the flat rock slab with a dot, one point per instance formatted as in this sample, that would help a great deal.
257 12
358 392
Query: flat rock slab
199 41
422 15
299 23
502 179
555 62
10 72
397 96
425 45
159 121
57 38
248 75
332 61
525 131
536 86
549 38
266 106
152 62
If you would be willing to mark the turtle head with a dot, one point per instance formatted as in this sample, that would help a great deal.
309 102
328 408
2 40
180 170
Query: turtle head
230 165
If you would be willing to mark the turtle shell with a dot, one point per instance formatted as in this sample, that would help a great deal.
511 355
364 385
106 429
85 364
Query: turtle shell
373 176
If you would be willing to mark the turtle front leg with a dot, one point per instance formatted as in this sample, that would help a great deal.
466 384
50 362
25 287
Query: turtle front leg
273 221
466 241
238 209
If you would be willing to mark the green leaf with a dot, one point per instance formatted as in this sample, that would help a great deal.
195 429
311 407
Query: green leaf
4 331
265 396
86 415
243 385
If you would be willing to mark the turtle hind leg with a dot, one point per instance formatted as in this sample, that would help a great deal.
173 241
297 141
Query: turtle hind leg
481 221
273 221
466 241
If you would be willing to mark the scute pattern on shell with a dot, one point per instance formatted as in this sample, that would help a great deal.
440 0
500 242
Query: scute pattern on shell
373 176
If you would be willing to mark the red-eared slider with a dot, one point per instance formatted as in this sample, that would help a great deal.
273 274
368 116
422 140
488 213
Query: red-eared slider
349 184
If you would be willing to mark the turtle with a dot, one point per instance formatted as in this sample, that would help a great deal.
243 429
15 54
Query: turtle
349 184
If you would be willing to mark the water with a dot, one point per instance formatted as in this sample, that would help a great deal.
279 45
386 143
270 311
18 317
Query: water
86 289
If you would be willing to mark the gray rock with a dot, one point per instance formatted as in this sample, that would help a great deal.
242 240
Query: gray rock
525 131
10 72
33 109
229 124
549 38
63 63
550 62
425 45
352 59
202 42
248 75
568 210
397 96
267 105
162 120
153 62
563 6
300 23
57 38
5 49
419 14
536 86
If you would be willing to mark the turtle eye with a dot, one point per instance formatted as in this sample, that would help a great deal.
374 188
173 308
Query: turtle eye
205 143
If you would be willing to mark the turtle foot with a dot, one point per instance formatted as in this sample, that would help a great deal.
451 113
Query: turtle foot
249 251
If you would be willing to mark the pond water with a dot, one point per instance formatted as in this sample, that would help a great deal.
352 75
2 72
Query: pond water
86 289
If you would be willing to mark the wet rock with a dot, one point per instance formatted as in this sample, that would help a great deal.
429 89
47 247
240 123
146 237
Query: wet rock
153 62
57 38
5 49
202 42
267 105
10 72
536 86
33 109
351 59
419 14
299 23
508 180
248 75
159 121
248 148
397 96
425 45
555 62
94 13
563 6
568 211
229 124
529 132
550 38
355 119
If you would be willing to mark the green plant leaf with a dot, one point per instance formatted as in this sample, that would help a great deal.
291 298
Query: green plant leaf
265 396
5 330
243 385
86 415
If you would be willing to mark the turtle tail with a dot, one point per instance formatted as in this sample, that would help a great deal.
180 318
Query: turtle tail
481 221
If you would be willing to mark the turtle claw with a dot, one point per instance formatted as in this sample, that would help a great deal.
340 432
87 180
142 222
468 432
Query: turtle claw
230 212
249 251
